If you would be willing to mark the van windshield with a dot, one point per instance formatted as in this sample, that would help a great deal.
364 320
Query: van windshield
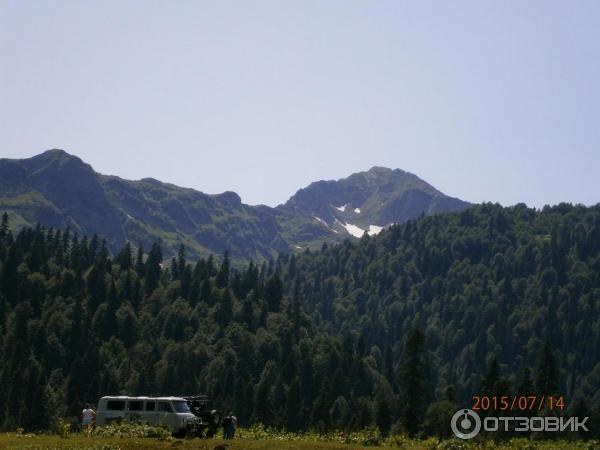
181 407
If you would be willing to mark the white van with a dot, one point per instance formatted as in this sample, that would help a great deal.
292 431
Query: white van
171 412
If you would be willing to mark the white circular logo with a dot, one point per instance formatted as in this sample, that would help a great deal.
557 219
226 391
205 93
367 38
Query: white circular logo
465 424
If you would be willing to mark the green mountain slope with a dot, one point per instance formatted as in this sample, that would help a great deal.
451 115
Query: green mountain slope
59 190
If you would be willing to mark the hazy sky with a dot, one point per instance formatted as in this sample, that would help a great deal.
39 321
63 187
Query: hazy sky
486 100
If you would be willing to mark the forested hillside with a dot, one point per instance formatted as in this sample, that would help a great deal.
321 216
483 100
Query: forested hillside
392 330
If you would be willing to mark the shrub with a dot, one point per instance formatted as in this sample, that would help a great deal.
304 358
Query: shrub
63 428
130 430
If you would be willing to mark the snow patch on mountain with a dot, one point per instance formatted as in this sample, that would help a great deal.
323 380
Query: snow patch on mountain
357 210
374 229
353 230
341 208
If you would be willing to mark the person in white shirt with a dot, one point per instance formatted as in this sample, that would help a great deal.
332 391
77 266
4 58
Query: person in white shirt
87 415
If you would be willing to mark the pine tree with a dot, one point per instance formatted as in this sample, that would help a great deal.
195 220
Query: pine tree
125 258
248 408
547 375
9 275
383 411
490 381
3 312
139 262
263 405
223 274
206 292
322 404
4 230
153 268
186 284
413 382
210 266
274 292
525 383
293 406
247 314
96 285
181 261
174 269
389 368
224 312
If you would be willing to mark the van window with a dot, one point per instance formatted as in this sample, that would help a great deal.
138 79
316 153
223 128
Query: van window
181 407
115 405
164 407
150 406
135 405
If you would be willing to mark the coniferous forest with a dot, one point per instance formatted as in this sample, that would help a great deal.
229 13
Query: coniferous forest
395 331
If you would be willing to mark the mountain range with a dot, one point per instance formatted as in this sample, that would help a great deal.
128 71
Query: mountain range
59 190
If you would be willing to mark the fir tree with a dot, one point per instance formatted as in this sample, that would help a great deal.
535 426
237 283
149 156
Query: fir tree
139 262
383 411
153 267
125 258
547 375
412 380
274 292
293 406
4 229
223 274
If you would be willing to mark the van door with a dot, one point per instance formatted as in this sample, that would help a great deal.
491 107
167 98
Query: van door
165 415
135 411
150 413
115 410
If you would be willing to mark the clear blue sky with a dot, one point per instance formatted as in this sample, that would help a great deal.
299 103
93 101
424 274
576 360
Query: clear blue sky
486 100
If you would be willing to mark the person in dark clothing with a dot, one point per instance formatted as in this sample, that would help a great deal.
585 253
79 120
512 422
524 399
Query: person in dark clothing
229 426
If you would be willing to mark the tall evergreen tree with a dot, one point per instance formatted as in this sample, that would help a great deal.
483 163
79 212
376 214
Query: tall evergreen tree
525 383
263 404
139 262
224 312
383 411
274 292
125 258
293 406
489 383
9 275
153 267
223 274
413 381
4 228
547 374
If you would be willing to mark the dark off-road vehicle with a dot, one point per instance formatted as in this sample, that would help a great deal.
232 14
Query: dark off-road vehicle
201 406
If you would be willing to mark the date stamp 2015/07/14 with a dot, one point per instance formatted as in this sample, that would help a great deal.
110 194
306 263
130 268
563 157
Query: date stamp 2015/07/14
517 402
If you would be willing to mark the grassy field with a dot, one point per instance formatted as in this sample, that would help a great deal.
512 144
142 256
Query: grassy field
85 443
143 436
16 441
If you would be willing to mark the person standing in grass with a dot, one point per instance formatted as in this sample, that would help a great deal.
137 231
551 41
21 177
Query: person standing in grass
226 426
233 425
88 415
229 426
